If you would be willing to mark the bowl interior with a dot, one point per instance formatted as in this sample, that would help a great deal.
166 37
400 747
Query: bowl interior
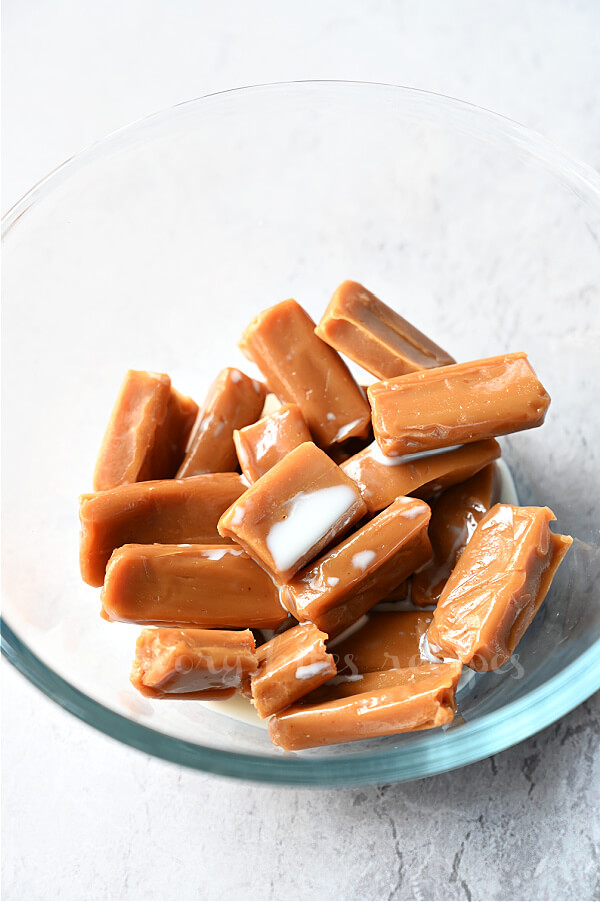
155 248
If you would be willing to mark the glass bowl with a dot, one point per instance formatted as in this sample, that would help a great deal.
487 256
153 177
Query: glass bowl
155 247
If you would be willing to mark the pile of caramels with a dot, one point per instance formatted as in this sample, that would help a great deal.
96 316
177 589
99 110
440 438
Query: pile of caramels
268 582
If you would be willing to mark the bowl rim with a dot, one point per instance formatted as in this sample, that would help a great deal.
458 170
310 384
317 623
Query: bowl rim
488 734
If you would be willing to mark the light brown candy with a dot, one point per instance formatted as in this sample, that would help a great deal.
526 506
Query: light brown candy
497 586
338 588
169 510
298 508
302 369
147 432
264 443
289 666
209 586
385 640
373 335
381 479
234 400
455 515
453 405
192 664
379 704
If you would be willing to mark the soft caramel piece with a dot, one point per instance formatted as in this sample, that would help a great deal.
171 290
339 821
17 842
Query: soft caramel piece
298 508
366 330
454 517
379 704
209 586
338 588
189 663
289 666
384 640
263 444
381 479
302 369
171 438
452 405
147 432
169 510
234 400
497 586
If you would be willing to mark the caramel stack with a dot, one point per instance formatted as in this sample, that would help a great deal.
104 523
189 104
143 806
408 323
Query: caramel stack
258 536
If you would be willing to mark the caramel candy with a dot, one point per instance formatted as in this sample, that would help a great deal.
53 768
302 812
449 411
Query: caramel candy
147 432
301 368
170 510
455 515
234 400
384 640
378 704
452 405
338 588
294 511
263 444
496 588
381 479
373 335
210 586
289 666
205 664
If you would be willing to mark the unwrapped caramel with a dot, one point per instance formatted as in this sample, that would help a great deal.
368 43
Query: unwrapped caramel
381 479
339 587
373 335
264 443
379 704
497 586
381 640
200 664
169 510
209 586
302 369
147 432
454 517
452 405
234 400
298 508
289 666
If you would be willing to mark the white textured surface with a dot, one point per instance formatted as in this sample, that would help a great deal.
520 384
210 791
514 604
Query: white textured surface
100 821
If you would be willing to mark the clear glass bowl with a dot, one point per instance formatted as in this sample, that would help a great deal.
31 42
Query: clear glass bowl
155 247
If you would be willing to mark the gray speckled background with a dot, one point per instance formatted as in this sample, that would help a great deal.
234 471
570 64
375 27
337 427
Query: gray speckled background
87 818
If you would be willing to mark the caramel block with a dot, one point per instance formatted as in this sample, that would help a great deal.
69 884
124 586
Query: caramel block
169 510
289 666
338 588
147 432
452 405
381 479
171 439
209 586
497 586
373 335
263 444
384 640
302 369
298 508
378 704
455 515
205 664
234 400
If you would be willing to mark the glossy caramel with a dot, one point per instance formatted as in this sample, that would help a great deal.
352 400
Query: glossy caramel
209 586
453 405
366 330
168 510
497 586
